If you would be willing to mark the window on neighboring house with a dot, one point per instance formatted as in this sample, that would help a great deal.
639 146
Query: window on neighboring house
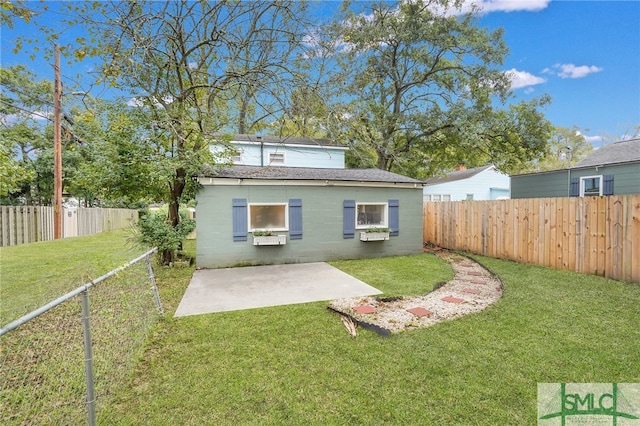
237 158
276 159
590 186
437 197
371 214
268 216
469 197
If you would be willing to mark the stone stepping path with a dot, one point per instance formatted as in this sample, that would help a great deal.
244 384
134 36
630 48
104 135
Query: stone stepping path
472 289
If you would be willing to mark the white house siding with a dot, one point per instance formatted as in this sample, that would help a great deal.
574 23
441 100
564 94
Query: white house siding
257 154
486 185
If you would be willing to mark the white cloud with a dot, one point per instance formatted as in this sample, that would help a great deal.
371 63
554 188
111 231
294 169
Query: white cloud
140 102
521 79
573 71
488 6
511 5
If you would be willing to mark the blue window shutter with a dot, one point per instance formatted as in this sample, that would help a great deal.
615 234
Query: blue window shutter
608 185
239 219
295 219
575 187
394 217
349 219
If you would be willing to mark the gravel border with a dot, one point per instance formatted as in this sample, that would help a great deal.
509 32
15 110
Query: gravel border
391 317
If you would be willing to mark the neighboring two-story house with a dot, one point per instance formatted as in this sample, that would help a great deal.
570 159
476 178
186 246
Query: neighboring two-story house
256 150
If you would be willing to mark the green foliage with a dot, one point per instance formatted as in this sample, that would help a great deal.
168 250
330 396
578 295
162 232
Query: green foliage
265 233
155 230
374 229
564 148
422 83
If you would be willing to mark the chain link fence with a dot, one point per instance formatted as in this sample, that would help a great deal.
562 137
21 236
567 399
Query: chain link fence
66 361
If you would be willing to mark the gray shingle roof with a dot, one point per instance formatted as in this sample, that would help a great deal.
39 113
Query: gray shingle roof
458 175
618 152
307 173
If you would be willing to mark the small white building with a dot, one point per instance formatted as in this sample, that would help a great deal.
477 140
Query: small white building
480 183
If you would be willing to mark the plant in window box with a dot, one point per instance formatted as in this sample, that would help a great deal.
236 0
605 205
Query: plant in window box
268 238
374 234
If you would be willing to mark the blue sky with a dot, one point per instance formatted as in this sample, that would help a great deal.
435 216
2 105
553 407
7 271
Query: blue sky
584 54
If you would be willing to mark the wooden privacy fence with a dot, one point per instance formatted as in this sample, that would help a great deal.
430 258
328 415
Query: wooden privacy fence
592 235
29 224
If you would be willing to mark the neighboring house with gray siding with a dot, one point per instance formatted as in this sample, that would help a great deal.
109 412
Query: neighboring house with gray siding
480 183
256 150
314 214
611 170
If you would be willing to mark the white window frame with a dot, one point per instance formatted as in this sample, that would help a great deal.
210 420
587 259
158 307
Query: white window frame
437 197
385 222
583 180
276 153
469 197
286 217
237 159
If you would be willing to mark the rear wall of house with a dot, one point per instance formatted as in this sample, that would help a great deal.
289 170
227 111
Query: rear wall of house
322 225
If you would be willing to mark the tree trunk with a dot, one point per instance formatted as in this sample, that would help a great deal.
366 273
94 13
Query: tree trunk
176 187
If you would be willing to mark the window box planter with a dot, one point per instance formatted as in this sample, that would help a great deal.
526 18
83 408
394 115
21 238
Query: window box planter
374 236
270 240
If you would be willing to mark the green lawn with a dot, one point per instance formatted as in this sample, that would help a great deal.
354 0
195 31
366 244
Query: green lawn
297 364
34 274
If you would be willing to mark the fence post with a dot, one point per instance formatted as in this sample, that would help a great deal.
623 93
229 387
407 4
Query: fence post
154 287
88 358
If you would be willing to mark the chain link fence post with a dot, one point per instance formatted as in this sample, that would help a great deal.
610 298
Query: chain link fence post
88 358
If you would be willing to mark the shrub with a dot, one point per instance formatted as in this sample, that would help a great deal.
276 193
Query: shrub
154 230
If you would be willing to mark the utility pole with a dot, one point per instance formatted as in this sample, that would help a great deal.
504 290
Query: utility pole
57 148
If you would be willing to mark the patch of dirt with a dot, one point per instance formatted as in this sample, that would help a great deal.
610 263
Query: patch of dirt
472 289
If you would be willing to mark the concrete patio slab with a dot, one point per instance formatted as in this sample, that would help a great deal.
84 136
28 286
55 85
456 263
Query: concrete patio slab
230 289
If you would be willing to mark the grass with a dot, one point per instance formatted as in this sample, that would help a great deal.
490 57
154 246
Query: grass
297 365
34 274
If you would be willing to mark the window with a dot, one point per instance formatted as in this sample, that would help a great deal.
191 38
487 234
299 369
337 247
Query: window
371 214
590 186
470 197
437 197
276 159
237 158
268 216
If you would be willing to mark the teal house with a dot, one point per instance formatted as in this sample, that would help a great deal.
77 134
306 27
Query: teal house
611 170
254 215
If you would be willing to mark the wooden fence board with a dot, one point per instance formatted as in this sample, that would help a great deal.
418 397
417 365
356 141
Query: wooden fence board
28 224
596 235
632 239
